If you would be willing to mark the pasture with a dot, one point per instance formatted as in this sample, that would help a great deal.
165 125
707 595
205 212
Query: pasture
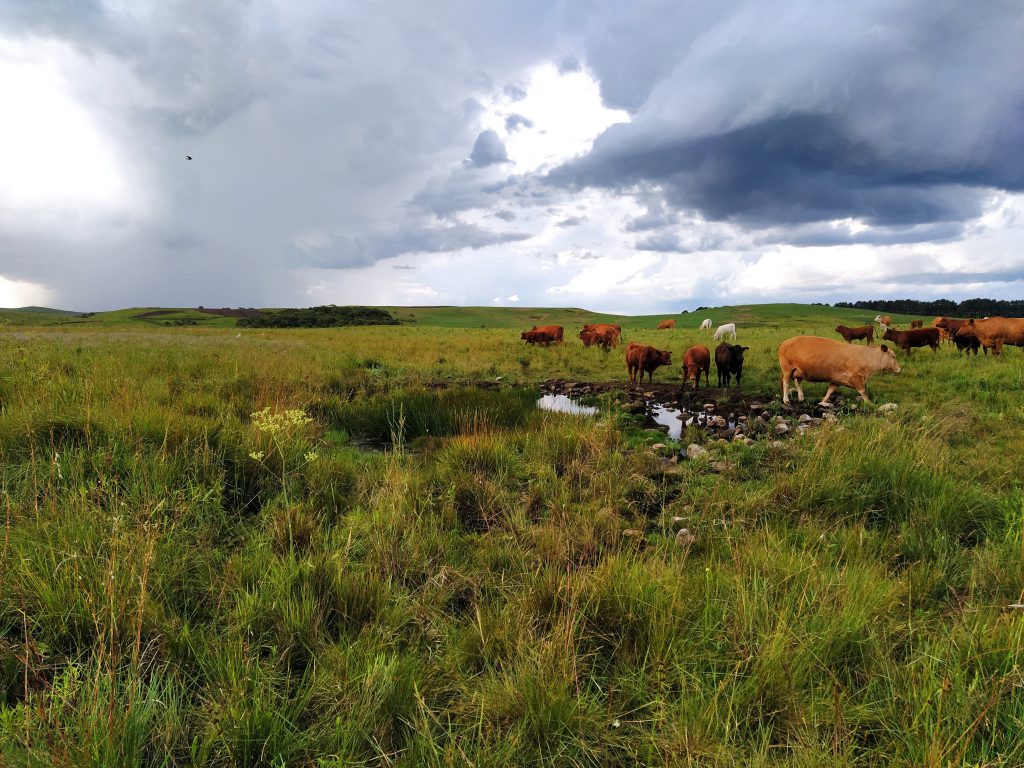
366 546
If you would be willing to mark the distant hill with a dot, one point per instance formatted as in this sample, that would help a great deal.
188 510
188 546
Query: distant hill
42 310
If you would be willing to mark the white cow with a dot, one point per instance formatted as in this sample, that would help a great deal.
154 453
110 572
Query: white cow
725 330
706 325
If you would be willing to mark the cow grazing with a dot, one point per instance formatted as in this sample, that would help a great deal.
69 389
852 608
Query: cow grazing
665 324
615 330
916 323
729 362
916 337
994 332
537 337
725 330
855 334
969 342
555 331
603 339
645 359
697 360
706 325
812 358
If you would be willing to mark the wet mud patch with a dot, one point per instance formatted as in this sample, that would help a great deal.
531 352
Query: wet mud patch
727 413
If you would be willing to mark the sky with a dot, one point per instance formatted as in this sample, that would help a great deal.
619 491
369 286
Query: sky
634 157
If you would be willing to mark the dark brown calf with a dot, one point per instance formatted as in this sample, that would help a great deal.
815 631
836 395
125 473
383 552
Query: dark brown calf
860 332
916 337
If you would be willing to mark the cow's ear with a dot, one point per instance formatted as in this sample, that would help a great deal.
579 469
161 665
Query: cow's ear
746 348
885 347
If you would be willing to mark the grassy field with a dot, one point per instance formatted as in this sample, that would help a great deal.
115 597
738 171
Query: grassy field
203 562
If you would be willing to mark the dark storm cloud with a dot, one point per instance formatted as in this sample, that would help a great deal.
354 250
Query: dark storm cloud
504 215
887 121
514 122
488 149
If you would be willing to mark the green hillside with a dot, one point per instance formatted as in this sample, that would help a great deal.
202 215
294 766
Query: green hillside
767 315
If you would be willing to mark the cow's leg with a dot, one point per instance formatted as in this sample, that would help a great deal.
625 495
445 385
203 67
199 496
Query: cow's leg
828 393
799 388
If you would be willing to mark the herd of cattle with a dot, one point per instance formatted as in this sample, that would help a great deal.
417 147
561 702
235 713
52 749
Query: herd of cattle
801 358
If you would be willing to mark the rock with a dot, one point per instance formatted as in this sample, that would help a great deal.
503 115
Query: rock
739 438
570 385
779 419
741 419
781 428
777 444
747 441
657 446
721 466
756 406
888 408
805 418
684 538
648 394
633 407
695 451
632 533
676 520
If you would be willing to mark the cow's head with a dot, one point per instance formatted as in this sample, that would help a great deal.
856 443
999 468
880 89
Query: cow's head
662 357
966 329
525 335
889 362
889 335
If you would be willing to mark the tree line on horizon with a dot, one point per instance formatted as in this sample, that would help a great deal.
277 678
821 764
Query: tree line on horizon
328 316
944 307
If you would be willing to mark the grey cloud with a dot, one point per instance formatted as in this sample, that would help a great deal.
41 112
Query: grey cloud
488 150
569 64
515 91
826 235
403 266
346 252
658 215
869 123
514 122
571 221
504 215
663 241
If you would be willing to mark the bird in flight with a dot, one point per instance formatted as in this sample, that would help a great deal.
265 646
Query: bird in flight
188 157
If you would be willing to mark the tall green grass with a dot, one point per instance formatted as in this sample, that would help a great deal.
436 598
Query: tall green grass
181 583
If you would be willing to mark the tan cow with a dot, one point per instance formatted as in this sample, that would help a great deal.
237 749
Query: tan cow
666 324
994 332
812 358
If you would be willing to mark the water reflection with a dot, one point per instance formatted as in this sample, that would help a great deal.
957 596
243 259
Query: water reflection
564 404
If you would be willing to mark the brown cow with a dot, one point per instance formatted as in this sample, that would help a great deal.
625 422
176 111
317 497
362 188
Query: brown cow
616 330
537 337
603 339
994 332
665 324
855 334
883 320
916 323
645 359
696 360
555 331
812 358
917 337
948 326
